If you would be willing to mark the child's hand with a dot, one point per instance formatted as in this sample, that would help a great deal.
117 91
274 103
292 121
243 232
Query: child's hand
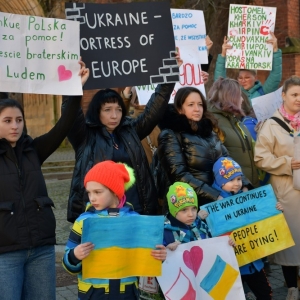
173 246
202 214
161 253
279 206
83 250
231 242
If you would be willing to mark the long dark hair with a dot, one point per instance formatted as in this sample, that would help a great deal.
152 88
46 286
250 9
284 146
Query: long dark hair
99 99
179 100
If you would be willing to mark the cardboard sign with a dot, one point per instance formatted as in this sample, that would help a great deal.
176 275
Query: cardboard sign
241 209
126 44
130 237
190 32
261 238
248 30
266 105
257 227
190 75
39 55
204 269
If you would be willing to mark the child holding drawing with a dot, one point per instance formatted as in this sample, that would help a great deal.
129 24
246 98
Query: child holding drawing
105 184
228 180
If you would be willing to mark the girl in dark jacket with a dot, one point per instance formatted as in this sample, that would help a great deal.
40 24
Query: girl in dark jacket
188 146
105 133
27 223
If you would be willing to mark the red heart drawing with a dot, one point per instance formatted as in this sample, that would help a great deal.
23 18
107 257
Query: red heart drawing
63 74
193 258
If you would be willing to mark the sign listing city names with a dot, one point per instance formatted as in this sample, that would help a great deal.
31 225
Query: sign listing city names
249 29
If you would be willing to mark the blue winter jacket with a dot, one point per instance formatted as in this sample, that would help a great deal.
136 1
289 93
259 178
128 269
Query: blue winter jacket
254 266
271 84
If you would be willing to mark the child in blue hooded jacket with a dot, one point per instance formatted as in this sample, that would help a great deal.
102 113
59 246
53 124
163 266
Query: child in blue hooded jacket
228 180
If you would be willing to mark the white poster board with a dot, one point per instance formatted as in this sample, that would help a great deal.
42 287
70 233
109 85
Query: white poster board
205 269
266 105
189 30
248 30
190 75
39 55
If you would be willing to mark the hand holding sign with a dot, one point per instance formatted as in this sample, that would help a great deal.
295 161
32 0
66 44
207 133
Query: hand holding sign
273 41
225 46
84 72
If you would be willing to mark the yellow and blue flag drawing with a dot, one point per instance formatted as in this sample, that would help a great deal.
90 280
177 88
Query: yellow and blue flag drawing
220 279
122 246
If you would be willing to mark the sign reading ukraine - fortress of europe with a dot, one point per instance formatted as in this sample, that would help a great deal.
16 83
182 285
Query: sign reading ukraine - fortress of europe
126 44
252 221
39 55
248 30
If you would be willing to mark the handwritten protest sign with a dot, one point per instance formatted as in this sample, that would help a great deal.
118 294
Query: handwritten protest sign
261 238
266 105
126 44
118 253
248 30
190 75
257 227
189 31
204 269
39 55
241 209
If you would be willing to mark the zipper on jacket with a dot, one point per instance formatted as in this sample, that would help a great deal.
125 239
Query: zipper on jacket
23 202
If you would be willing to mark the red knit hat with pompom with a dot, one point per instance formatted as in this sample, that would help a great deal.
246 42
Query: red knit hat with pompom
118 177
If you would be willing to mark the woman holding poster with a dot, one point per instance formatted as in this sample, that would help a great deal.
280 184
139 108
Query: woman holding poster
27 223
188 145
247 79
274 152
106 133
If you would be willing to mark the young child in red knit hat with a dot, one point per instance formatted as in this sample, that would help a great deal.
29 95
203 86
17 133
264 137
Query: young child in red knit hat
105 184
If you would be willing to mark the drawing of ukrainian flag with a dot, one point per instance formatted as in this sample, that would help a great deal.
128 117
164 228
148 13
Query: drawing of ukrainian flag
122 246
220 279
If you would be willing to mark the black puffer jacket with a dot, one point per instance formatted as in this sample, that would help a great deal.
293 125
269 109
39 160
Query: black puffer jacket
191 158
92 144
26 217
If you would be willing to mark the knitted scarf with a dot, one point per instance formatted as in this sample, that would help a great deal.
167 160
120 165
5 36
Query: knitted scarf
294 120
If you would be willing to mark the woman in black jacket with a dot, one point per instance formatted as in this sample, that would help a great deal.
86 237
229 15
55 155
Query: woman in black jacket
27 223
188 145
106 133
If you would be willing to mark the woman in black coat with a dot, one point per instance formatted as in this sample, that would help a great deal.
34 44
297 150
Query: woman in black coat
27 223
189 145
106 133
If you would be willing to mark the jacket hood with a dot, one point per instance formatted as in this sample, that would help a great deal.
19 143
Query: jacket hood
178 123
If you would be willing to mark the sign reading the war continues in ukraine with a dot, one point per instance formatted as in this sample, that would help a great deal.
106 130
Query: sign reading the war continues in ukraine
253 221
122 246
248 30
126 44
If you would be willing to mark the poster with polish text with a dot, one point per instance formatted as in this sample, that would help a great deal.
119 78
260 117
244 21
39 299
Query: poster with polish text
39 55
